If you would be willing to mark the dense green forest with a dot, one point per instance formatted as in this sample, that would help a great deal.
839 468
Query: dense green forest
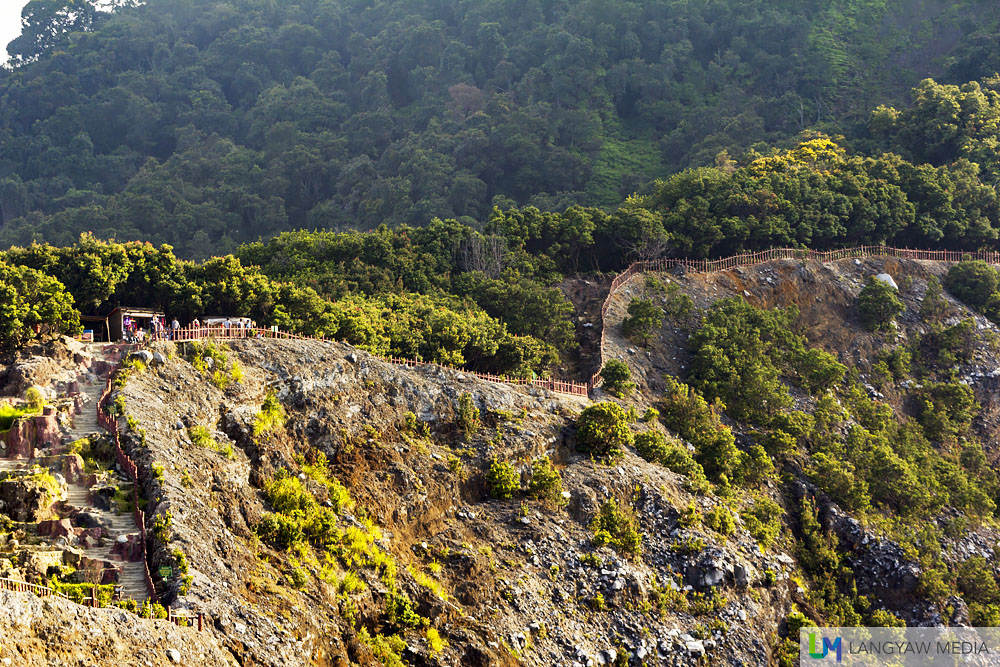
210 123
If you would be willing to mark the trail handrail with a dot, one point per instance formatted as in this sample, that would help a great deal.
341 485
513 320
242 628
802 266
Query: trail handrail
17 586
194 334
130 468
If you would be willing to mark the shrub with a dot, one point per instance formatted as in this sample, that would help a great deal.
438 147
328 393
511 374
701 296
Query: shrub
643 318
545 483
35 399
878 305
386 649
502 481
650 415
434 641
756 466
271 416
278 530
468 415
400 614
202 437
763 520
614 526
739 352
652 446
687 413
947 409
721 520
689 516
973 283
350 583
934 305
603 431
9 414
819 371
162 527
297 577
616 376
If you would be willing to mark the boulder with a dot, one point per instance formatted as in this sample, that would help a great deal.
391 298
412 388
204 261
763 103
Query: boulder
159 359
56 528
88 519
39 562
128 547
887 279
695 647
145 356
103 497
24 499
73 468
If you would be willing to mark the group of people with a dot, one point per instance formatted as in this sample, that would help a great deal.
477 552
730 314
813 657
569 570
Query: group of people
159 330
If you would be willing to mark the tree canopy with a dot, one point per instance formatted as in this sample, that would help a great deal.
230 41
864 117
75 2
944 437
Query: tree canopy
207 124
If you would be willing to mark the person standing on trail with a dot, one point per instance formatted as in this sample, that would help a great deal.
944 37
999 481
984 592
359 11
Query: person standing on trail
176 326
227 326
196 326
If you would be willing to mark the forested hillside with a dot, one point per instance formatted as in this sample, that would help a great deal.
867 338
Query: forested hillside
206 124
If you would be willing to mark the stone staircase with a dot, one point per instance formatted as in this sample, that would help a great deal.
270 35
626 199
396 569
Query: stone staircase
133 575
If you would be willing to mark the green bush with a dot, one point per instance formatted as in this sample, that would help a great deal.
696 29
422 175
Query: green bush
976 284
819 371
652 446
687 414
35 399
9 414
163 527
546 483
468 415
202 437
617 527
934 305
603 431
739 353
946 409
756 467
400 614
763 520
502 481
271 416
643 318
280 531
878 305
721 520
616 376
673 455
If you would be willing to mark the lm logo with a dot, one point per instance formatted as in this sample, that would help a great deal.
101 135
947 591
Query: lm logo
827 647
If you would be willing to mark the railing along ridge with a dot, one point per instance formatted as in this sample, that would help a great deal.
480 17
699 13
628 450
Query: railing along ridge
750 259
192 334
130 468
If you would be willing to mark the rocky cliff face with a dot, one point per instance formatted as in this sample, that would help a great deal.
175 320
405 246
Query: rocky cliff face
39 632
509 580
500 581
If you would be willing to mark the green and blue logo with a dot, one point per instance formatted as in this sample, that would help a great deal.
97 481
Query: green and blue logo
825 649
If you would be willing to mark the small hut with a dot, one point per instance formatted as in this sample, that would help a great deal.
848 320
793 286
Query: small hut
143 318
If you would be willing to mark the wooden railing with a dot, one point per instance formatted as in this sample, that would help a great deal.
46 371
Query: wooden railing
128 466
750 259
191 334
24 587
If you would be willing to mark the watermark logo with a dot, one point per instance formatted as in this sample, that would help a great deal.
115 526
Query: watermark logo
820 651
